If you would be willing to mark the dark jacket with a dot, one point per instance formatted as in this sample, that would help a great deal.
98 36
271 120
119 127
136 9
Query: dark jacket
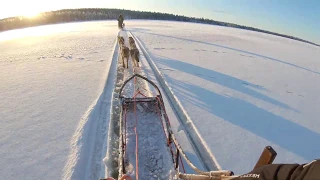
120 18
309 171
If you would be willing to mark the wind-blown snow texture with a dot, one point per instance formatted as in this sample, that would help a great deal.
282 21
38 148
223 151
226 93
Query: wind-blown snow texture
243 90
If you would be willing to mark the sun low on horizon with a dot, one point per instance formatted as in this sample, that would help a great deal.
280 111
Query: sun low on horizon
29 12
30 9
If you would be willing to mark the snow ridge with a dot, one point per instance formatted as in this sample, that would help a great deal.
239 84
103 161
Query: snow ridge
84 161
110 160
208 159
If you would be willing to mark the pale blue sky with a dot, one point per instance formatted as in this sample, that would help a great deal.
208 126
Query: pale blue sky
300 18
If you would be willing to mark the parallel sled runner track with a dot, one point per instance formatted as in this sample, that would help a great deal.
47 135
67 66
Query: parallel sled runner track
148 149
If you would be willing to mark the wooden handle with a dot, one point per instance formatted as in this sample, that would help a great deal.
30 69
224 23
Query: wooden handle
267 156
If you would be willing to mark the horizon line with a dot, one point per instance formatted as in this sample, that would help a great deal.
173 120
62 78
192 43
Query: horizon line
192 17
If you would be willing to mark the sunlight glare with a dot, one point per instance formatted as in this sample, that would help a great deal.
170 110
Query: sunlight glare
31 14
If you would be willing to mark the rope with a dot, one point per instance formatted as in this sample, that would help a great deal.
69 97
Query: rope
136 131
182 165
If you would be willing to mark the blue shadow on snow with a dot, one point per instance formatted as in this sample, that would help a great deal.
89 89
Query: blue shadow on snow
226 47
283 132
221 79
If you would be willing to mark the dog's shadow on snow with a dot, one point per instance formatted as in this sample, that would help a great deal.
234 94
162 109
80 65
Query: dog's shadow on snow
226 47
267 125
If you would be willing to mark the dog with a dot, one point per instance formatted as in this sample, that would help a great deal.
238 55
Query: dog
133 46
124 50
120 40
135 57
131 40
132 43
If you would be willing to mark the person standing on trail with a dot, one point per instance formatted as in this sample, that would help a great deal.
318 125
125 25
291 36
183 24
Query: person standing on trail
120 21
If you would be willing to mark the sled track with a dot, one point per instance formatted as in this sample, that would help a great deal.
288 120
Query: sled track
112 152
199 145
110 166
97 134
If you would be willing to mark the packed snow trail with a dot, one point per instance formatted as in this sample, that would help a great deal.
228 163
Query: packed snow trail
181 133
110 165
123 74
113 148
203 151
154 158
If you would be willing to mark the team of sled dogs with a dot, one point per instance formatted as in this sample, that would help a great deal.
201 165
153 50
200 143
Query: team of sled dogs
125 52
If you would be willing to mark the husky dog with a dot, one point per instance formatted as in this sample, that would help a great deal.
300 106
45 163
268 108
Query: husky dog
124 50
135 57
131 40
132 43
133 46
120 40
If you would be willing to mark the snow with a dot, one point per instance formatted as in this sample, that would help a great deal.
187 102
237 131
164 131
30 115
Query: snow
243 90
48 83
233 91
155 161
129 91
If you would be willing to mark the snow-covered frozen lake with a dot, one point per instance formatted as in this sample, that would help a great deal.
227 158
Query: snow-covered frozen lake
242 91
48 80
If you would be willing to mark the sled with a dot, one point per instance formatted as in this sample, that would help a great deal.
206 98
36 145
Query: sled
148 148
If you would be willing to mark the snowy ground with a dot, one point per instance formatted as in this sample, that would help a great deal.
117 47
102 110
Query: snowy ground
241 90
49 78
149 134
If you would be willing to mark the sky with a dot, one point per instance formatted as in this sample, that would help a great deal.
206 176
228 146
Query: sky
300 18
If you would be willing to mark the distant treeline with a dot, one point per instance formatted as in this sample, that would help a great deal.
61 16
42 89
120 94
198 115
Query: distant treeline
91 14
